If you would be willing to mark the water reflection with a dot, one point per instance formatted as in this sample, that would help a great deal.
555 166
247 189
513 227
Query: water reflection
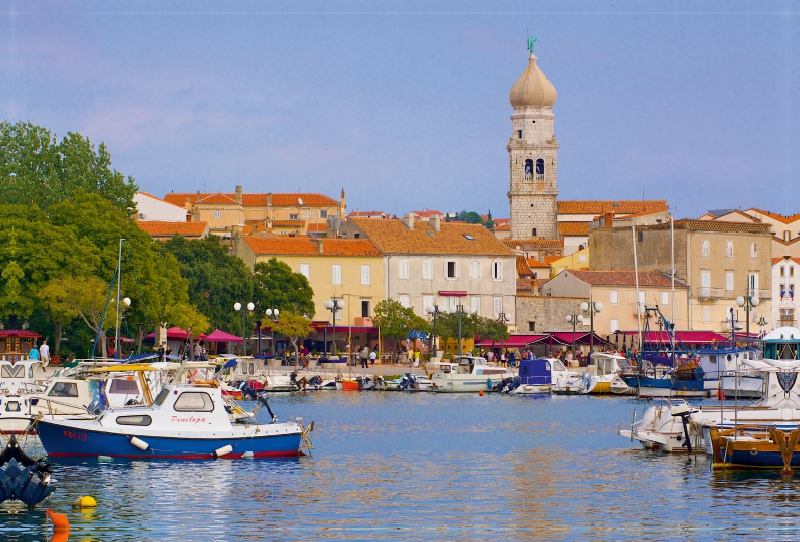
427 467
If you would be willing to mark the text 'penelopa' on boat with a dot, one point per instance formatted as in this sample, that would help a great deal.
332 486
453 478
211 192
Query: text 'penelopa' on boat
183 421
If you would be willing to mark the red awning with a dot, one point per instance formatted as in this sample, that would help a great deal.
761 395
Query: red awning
686 337
514 341
25 334
218 336
453 293
579 337
172 333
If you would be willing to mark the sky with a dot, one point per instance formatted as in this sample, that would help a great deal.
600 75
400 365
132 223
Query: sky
405 104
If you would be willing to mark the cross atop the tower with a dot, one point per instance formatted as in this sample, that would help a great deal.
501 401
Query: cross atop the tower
531 42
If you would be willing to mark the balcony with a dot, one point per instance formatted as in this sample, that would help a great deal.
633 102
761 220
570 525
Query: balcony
709 293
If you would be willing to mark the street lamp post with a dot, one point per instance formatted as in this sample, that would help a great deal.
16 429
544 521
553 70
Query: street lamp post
761 321
272 314
575 319
460 311
590 308
333 305
435 310
238 307
748 302
502 319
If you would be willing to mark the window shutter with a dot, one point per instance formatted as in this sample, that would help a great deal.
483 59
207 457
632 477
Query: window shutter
475 305
613 297
498 306
336 274
305 270
365 278
665 298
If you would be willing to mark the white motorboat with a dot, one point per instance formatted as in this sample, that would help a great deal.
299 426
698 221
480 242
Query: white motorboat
662 427
17 384
468 374
604 371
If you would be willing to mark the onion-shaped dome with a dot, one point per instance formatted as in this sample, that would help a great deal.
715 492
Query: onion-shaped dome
532 88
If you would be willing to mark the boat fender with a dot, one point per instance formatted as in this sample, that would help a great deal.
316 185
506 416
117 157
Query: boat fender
142 445
60 521
489 383
225 450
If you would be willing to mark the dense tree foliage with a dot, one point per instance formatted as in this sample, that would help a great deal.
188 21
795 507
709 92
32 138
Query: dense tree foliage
295 327
216 279
278 287
36 168
396 321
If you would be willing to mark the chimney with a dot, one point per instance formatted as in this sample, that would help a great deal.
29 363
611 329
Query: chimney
534 287
408 220
269 206
198 196
436 222
239 194
320 248
608 220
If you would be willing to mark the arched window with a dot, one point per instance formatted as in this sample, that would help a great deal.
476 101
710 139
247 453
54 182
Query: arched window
540 166
528 167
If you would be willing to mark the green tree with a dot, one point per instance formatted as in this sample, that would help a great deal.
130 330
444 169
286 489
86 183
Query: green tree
489 222
396 321
37 168
216 279
276 286
470 217
295 327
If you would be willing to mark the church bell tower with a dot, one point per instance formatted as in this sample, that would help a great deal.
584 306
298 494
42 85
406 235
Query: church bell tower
533 156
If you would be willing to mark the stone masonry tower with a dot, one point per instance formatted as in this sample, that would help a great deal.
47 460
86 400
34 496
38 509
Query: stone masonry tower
533 156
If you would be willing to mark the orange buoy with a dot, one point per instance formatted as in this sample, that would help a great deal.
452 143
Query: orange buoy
60 521
720 395
480 392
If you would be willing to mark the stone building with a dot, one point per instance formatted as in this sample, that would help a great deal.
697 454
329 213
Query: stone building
541 313
533 156
719 261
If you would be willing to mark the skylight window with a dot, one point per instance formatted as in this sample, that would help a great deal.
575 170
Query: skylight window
469 237
432 234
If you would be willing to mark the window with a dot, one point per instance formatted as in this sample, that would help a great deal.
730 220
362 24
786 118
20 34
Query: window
404 300
729 249
519 134
217 214
134 420
402 269
752 281
642 297
582 258
705 279
13 406
613 325
365 278
194 401
451 269
705 250
466 236
613 297
783 271
729 281
539 166
498 306
427 269
475 306
323 213
7 371
531 326
305 270
528 167
791 270
474 269
665 298
364 308
124 386
294 216
706 314
450 303
753 251
533 230
497 270
336 274
63 389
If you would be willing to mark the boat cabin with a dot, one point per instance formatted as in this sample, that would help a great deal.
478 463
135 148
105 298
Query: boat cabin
722 359
478 366
537 372
605 363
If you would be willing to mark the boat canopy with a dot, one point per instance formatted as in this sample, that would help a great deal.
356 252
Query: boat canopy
536 372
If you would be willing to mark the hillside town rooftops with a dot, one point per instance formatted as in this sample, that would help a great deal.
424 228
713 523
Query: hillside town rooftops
600 207
304 246
655 279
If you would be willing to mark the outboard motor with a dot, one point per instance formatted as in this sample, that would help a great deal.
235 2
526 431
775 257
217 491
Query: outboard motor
586 381
262 398
515 383
247 391
503 385
315 381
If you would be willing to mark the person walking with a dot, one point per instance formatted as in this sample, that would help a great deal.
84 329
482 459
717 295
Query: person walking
364 356
44 352
416 357
372 356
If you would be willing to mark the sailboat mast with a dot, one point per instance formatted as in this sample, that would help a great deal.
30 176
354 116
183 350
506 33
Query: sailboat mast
119 277
636 276
672 276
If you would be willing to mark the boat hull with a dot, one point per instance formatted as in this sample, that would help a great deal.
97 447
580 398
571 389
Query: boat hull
61 439
15 425
532 389
666 387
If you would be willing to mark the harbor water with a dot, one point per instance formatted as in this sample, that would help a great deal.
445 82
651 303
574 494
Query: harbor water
426 466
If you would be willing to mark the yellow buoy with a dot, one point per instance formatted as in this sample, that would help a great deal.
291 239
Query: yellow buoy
85 502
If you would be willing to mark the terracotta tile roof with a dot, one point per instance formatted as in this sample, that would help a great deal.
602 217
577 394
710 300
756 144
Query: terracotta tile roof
653 279
219 197
526 283
534 263
599 207
141 193
533 244
578 229
304 246
366 213
523 269
317 227
550 259
502 227
736 212
786 219
162 228
392 236
258 200
288 223
712 225
428 213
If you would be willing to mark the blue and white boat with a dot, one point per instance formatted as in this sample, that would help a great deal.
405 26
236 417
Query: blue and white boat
184 421
540 375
